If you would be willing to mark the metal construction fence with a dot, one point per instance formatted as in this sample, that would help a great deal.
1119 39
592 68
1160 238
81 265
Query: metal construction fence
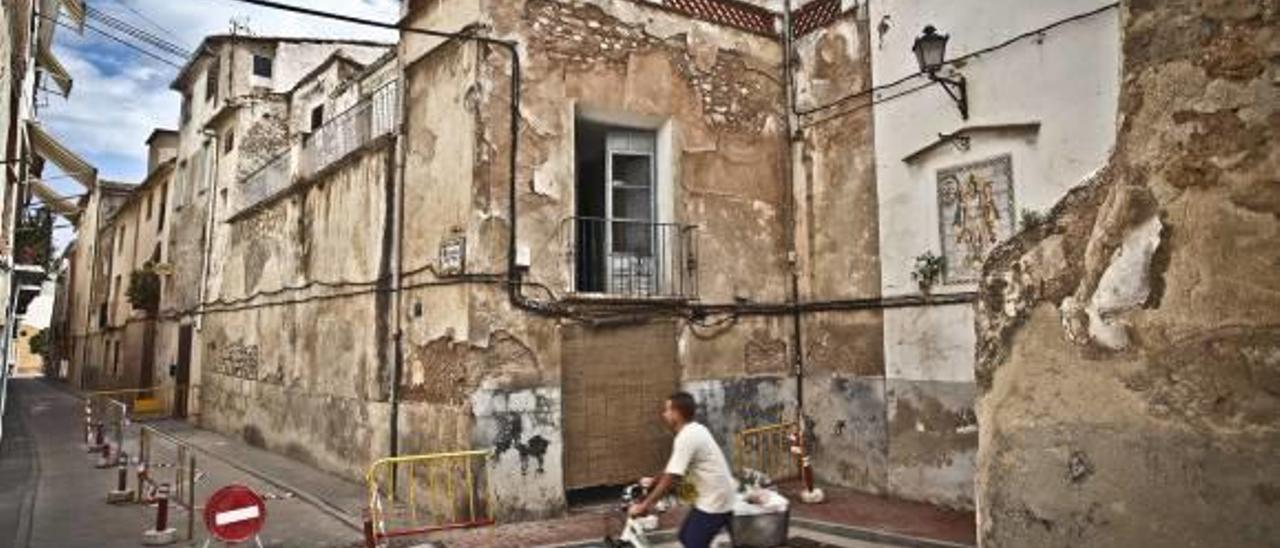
167 465
164 467
419 494
767 449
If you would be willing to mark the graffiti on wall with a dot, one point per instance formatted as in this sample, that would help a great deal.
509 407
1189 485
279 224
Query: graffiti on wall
975 207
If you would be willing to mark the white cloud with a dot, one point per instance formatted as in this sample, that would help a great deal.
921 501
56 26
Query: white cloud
120 96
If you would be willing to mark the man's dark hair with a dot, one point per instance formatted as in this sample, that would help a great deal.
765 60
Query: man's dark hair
683 403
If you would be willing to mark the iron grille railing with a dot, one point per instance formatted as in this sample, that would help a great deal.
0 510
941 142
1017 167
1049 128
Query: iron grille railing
351 129
632 258
266 181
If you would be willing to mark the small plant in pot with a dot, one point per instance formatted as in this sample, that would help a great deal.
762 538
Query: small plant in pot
928 271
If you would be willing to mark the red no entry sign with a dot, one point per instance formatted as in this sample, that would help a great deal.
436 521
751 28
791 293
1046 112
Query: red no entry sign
234 514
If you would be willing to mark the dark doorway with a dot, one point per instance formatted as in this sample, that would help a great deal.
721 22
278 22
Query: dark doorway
147 375
182 376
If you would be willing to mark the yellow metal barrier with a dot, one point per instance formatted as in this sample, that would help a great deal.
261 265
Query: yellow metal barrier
418 494
141 403
767 449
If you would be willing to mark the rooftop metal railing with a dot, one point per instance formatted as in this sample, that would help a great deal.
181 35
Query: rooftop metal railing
372 117
268 180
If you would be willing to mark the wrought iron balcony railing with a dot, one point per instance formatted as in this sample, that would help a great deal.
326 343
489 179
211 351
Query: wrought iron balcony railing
632 258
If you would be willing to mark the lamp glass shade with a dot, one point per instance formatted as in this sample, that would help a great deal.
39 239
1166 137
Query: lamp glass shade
930 49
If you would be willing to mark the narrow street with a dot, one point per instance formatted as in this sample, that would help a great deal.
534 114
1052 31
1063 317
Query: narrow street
59 497
55 497
816 273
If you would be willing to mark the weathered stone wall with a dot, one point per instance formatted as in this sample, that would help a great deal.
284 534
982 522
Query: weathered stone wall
294 351
716 94
1129 348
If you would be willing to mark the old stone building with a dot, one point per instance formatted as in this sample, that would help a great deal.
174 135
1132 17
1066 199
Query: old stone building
117 344
228 86
1128 350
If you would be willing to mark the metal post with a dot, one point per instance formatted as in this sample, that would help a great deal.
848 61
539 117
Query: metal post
191 498
104 456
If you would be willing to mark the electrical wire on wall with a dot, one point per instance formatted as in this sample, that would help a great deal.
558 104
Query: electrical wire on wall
703 315
871 91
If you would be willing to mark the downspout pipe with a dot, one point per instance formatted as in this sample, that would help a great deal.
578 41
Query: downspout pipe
797 339
397 277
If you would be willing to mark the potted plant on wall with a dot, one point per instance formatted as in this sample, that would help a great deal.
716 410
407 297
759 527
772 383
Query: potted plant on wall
144 289
928 271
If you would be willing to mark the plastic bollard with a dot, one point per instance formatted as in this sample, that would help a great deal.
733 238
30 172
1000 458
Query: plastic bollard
121 493
104 456
162 534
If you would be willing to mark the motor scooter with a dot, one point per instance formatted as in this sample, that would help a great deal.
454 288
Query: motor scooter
634 529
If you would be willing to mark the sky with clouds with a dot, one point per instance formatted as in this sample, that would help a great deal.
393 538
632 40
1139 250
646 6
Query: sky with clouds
120 95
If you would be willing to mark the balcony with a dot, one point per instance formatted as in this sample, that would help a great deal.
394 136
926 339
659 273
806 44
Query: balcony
371 118
630 259
268 180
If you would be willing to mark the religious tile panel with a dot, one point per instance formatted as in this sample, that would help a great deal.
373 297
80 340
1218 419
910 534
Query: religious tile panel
975 206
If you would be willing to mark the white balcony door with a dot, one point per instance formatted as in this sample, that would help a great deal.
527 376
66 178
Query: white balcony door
630 204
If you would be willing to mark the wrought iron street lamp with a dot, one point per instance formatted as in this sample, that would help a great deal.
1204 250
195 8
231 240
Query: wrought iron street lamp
931 49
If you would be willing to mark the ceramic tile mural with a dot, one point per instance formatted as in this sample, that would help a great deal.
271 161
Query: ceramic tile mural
975 206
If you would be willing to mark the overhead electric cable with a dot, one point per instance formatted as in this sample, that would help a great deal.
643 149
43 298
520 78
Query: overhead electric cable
121 41
142 35
151 21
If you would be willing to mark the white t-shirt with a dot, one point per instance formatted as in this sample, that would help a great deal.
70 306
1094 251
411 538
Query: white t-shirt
696 457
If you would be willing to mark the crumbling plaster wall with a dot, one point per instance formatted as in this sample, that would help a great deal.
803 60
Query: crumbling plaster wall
716 89
1129 348
718 92
837 245
308 377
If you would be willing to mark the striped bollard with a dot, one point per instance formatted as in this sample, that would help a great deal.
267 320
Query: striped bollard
162 534
122 492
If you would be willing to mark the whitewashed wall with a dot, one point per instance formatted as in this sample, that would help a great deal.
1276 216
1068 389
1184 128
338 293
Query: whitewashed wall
1065 80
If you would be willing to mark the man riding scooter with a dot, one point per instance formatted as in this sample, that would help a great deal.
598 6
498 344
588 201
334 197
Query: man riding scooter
696 461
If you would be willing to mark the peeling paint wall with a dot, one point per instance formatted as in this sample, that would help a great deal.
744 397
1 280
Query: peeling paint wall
307 377
715 91
1129 347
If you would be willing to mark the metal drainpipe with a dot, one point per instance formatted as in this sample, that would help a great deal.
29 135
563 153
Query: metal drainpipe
794 262
397 271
